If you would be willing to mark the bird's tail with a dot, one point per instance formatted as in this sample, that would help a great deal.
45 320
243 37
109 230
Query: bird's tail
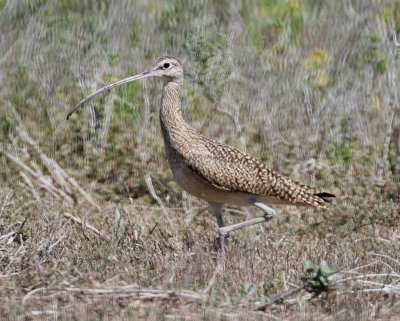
312 196
291 192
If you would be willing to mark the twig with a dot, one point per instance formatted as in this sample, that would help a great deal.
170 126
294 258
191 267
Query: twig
386 256
395 42
354 270
107 119
220 268
234 117
9 275
386 289
31 293
386 145
83 192
60 176
150 186
52 246
373 275
279 297
235 120
46 183
146 113
381 285
84 224
31 186
235 28
6 236
132 291
5 201
44 312
153 228
236 212
14 256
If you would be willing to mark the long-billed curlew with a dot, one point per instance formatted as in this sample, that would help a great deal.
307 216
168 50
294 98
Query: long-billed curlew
215 172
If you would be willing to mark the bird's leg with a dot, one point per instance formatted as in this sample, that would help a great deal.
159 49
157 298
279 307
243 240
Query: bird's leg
218 215
269 214
219 240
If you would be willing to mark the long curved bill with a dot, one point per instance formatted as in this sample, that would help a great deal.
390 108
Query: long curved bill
144 74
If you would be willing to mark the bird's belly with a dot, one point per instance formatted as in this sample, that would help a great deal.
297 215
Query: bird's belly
198 187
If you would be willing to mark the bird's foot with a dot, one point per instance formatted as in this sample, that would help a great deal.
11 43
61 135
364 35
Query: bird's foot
220 239
269 216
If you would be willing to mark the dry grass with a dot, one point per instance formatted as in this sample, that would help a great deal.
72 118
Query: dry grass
91 226
135 265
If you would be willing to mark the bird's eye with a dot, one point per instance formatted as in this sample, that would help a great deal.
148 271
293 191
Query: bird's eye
166 65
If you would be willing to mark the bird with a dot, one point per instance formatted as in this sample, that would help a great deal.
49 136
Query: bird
215 172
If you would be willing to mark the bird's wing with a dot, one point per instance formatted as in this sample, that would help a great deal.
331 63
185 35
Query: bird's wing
229 169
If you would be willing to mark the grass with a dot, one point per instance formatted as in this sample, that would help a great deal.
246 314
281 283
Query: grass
309 87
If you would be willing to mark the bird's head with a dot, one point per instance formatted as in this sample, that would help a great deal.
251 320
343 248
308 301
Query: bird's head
167 68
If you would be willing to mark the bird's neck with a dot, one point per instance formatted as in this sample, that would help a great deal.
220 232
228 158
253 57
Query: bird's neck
177 133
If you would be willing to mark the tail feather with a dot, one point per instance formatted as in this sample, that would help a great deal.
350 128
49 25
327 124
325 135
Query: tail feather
310 196
319 199
292 192
327 197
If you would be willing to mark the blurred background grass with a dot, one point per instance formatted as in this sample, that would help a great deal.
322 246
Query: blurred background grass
310 87
293 81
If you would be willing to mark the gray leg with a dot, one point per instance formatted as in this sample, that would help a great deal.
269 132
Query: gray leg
269 214
217 208
219 241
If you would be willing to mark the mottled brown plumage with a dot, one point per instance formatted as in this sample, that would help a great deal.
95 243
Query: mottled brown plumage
212 171
223 167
